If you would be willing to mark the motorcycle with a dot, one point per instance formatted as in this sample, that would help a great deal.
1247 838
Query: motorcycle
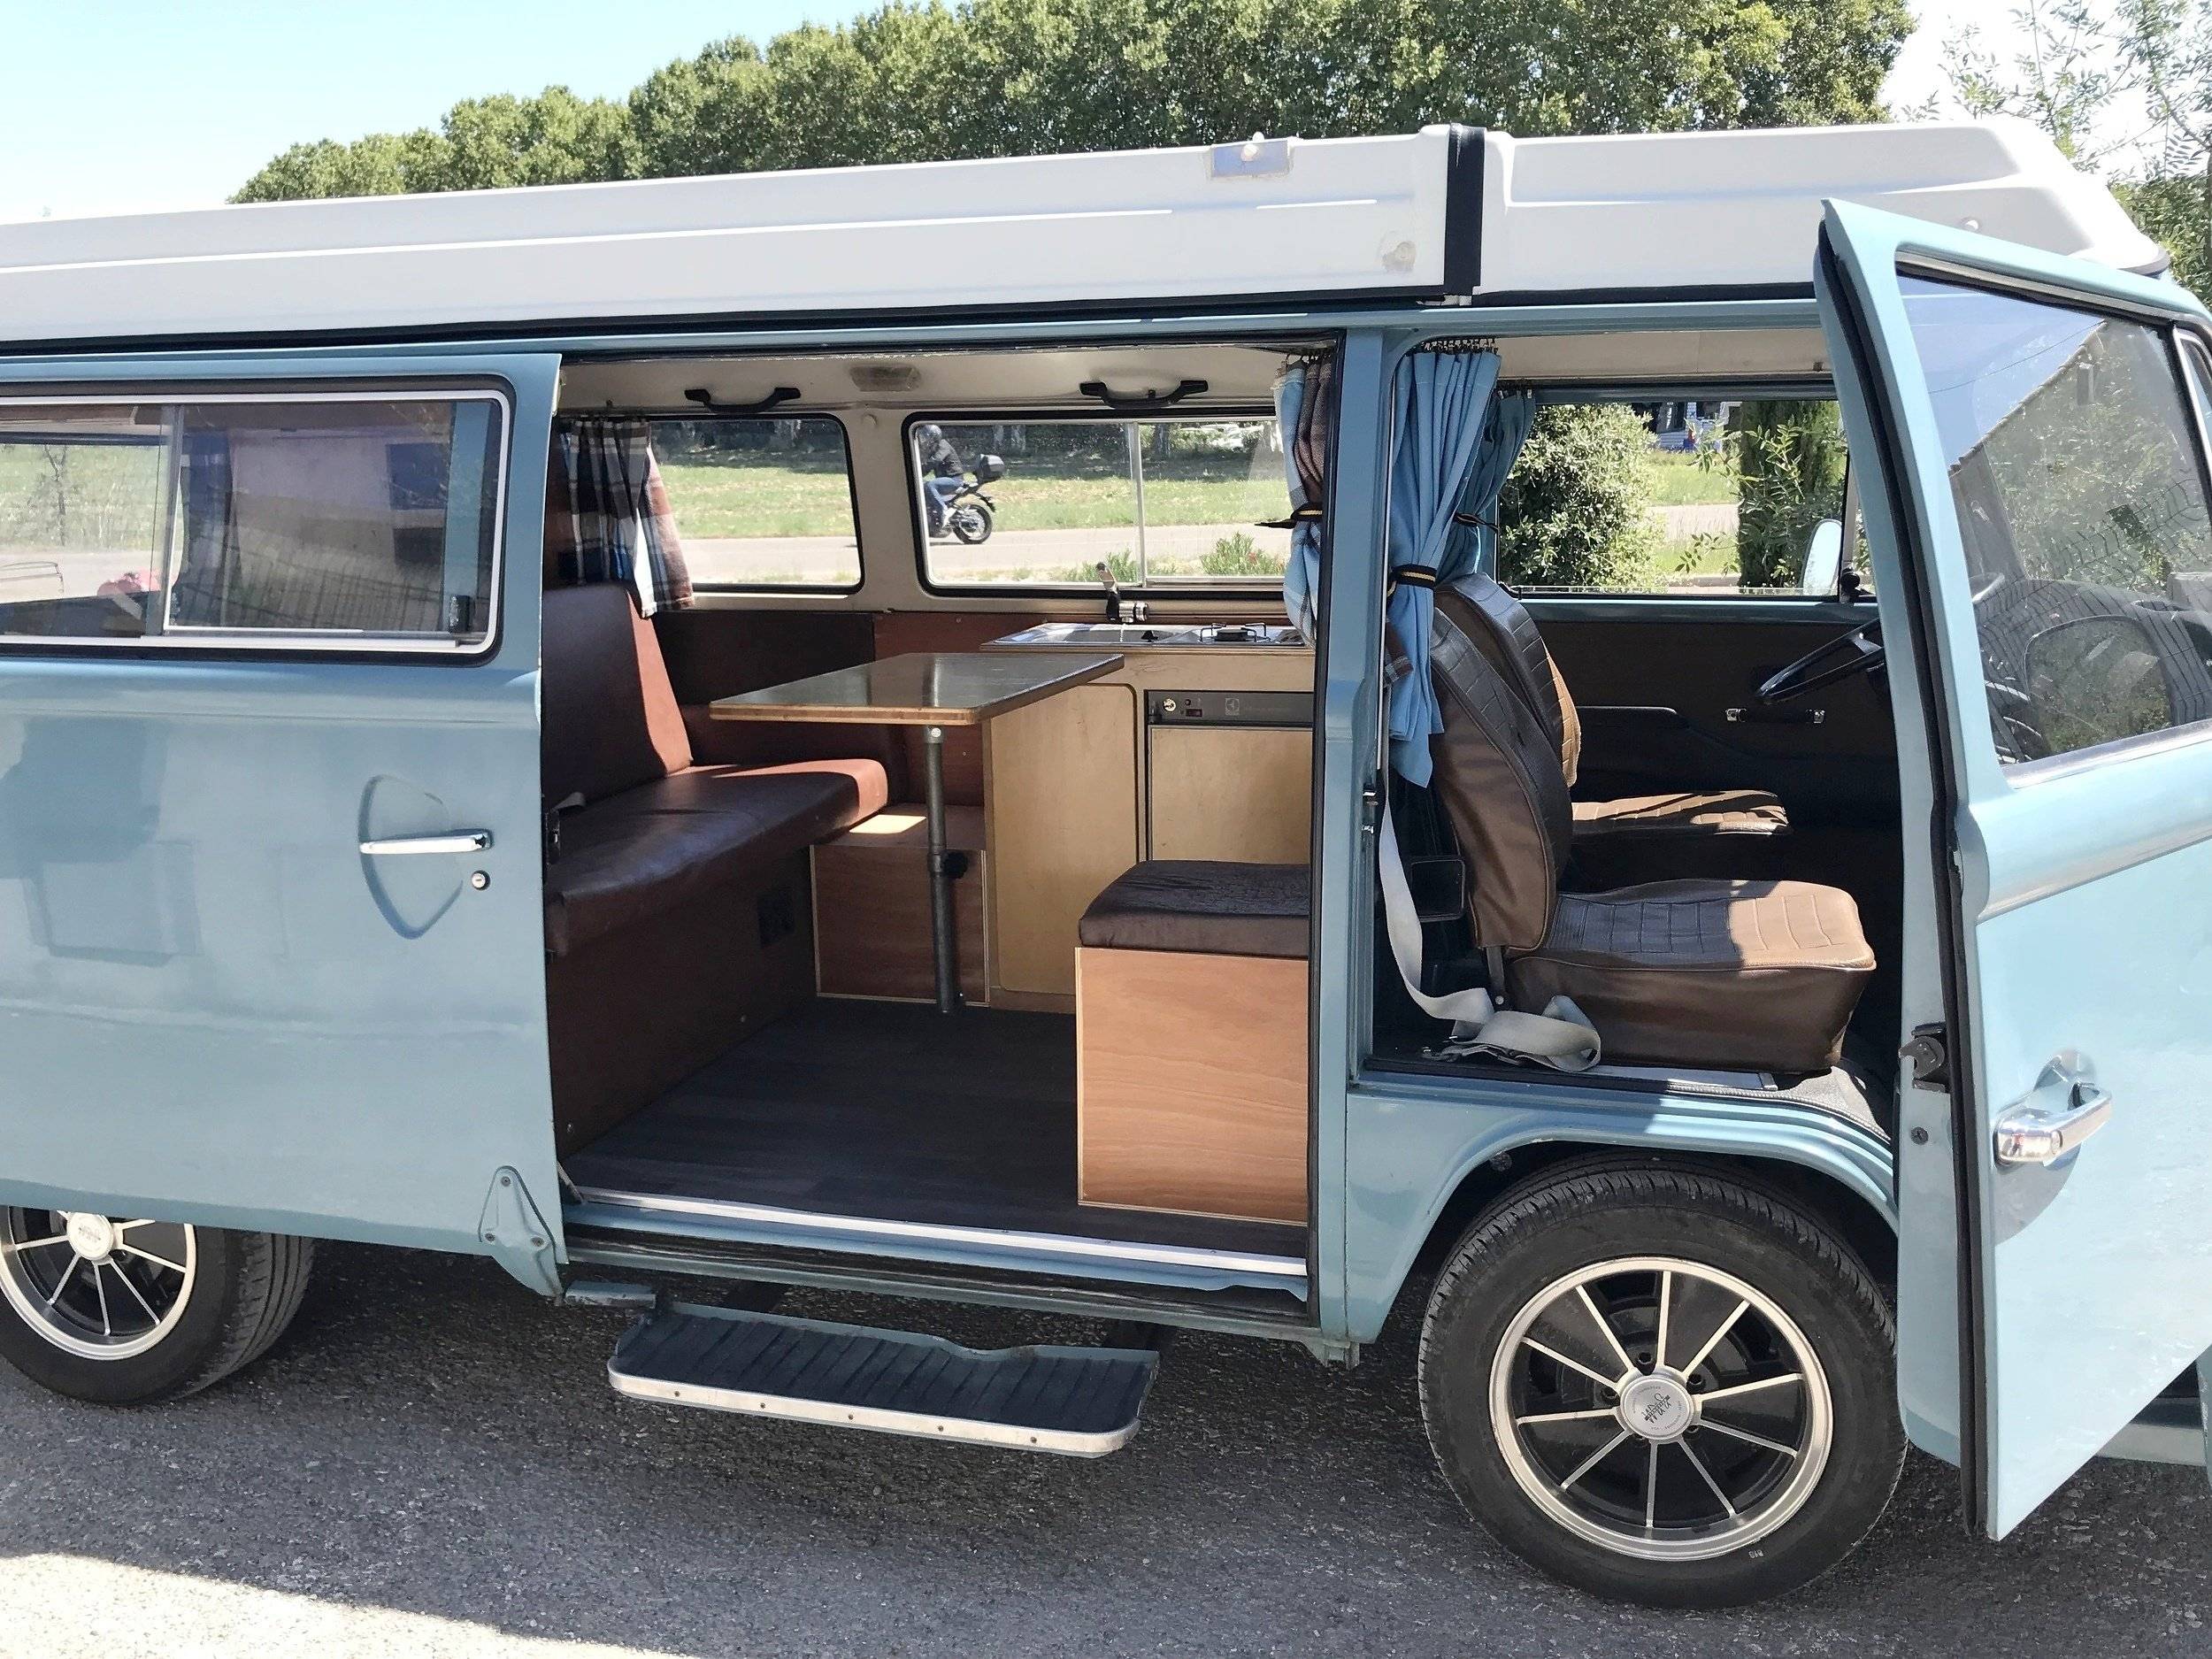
966 513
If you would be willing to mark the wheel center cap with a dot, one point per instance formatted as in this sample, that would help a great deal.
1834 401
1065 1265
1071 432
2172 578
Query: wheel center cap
1658 1407
91 1236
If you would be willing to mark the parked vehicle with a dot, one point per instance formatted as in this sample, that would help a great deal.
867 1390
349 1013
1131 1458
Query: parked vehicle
1743 996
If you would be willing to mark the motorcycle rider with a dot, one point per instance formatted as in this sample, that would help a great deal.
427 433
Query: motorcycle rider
944 473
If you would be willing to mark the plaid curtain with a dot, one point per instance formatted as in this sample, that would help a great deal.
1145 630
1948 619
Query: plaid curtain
604 501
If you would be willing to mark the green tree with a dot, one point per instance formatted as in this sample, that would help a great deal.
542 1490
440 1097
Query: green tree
1576 511
1789 463
927 81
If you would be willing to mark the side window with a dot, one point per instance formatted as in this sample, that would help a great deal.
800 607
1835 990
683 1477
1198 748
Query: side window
762 502
1711 498
2077 478
339 519
1048 502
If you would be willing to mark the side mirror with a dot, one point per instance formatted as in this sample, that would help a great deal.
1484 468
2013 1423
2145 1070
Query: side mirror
1824 558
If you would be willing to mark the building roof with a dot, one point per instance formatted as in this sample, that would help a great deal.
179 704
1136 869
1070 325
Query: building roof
1443 214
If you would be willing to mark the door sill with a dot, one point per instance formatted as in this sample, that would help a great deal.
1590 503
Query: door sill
1057 1253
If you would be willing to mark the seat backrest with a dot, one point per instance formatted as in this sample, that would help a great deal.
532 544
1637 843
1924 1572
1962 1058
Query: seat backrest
1498 776
1503 631
608 718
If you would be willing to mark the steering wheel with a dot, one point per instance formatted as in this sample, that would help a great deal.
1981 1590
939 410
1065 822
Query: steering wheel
1857 652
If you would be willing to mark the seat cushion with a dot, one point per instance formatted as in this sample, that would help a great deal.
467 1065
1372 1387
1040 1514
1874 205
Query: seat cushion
1755 975
661 845
727 788
1684 813
1206 907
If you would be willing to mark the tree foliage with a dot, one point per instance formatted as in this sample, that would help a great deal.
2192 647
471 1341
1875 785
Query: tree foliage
928 82
1576 511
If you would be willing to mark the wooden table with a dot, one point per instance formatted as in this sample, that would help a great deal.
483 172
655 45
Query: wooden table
931 689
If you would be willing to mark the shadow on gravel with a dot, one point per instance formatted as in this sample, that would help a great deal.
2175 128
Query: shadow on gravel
431 1439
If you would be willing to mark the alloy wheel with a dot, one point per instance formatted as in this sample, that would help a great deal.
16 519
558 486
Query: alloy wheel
99 1286
1660 1408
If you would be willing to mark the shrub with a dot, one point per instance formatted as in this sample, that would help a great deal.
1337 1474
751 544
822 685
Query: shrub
1576 511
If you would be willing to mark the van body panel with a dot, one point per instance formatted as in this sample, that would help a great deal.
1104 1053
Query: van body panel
214 1005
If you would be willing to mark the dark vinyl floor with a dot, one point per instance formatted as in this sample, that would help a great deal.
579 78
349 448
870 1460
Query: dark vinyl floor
896 1112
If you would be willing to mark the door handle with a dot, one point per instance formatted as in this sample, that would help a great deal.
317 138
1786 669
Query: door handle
2032 1133
401 845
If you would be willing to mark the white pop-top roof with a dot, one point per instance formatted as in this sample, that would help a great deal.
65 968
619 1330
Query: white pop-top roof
1432 216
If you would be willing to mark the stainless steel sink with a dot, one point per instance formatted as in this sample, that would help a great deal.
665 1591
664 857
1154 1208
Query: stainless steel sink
1122 636
1101 634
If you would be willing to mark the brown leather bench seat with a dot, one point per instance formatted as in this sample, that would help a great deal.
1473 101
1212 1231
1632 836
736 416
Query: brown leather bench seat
651 848
675 893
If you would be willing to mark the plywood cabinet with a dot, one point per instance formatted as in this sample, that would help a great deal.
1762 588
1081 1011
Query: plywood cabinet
1191 1083
1063 823
1243 793
1069 807
872 908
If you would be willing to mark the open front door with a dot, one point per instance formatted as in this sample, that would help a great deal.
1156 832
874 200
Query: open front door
2043 553
271 949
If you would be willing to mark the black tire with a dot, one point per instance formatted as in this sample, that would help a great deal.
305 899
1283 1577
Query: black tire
1581 1220
971 522
244 1289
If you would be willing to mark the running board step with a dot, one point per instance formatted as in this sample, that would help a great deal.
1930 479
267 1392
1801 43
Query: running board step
1078 1401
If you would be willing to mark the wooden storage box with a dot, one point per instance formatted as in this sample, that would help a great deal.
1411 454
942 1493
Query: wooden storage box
1191 1083
871 907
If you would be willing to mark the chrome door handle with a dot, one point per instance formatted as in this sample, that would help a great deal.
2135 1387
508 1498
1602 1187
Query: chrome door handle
459 842
2030 1134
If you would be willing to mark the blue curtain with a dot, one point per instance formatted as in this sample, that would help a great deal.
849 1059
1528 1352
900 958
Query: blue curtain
1455 442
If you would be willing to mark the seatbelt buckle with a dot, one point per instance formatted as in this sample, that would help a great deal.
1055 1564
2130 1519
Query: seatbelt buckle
1438 885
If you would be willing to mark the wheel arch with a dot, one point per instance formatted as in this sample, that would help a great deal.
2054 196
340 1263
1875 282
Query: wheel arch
1841 1173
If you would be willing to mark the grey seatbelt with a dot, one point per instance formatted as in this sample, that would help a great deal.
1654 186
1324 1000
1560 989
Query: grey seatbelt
1561 1037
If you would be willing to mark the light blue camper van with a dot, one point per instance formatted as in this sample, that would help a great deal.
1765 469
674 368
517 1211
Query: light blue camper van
492 759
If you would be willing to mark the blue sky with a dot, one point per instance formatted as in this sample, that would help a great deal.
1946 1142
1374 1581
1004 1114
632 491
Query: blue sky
121 105
113 106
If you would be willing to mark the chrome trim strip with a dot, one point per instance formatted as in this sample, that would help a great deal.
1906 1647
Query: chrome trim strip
1065 1442
1062 1244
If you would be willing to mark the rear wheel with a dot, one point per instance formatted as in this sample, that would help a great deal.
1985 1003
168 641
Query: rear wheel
123 1312
971 522
1662 1384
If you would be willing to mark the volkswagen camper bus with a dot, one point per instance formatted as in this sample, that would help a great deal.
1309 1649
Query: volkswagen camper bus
1717 927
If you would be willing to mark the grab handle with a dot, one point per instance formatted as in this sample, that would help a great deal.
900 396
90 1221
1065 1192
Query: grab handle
407 846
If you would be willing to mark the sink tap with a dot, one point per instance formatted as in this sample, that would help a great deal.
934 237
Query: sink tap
1113 590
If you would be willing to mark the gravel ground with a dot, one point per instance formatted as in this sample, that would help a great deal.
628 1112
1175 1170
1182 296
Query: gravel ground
431 1464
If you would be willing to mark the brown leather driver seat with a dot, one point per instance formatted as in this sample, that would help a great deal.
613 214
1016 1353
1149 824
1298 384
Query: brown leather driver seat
1742 975
1503 631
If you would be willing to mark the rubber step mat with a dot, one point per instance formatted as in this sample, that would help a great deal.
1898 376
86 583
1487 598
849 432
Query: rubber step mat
1078 1401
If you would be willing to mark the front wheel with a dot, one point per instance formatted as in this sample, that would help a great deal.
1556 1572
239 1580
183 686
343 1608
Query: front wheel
122 1311
1662 1384
971 522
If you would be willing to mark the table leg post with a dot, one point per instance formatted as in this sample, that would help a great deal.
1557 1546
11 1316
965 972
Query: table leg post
943 946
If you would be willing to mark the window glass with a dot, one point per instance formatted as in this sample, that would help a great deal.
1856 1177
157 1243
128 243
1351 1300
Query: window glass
83 518
1157 501
2075 473
761 503
348 518
1716 496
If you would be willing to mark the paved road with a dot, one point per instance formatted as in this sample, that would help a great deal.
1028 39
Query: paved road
431 1464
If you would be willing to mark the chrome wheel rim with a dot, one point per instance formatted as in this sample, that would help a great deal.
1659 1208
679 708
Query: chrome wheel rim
1660 1409
98 1287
